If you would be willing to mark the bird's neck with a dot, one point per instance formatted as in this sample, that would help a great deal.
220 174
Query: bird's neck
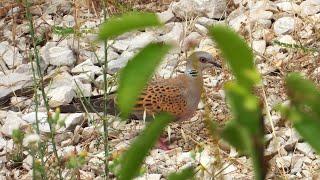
195 74
195 85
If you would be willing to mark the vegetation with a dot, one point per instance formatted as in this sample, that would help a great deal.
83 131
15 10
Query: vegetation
245 131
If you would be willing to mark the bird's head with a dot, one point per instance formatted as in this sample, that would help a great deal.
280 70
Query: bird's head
200 60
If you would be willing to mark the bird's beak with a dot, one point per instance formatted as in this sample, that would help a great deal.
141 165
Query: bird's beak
215 64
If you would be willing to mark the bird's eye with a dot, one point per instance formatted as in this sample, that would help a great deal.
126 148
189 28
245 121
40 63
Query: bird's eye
203 60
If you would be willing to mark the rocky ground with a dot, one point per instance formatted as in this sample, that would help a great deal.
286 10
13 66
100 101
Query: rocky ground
284 36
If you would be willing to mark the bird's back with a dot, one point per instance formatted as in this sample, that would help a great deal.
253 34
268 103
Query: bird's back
169 95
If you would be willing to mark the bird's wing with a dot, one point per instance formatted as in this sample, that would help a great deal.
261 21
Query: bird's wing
164 96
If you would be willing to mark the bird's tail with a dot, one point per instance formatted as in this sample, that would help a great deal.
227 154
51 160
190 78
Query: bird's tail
91 104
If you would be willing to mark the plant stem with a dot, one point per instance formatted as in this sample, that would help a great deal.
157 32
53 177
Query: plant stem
36 100
41 85
105 98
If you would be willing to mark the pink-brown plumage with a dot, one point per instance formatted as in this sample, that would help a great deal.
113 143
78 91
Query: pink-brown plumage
180 95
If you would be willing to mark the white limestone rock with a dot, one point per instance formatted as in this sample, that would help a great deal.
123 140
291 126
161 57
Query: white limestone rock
10 55
165 16
259 46
86 66
175 35
13 121
192 8
284 25
61 96
310 7
115 65
57 55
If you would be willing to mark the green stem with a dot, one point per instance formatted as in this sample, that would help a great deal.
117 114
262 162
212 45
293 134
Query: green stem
41 86
105 97
36 100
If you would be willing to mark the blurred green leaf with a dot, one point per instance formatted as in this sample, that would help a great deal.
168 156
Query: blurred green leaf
211 126
62 31
132 160
246 130
236 136
185 174
307 126
116 26
303 93
136 75
244 106
304 110
238 54
17 136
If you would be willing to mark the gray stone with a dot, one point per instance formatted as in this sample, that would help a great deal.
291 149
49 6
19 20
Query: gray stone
283 162
86 66
61 79
306 32
165 73
288 6
141 40
306 149
191 8
61 95
13 121
82 89
3 143
10 55
237 22
115 65
20 102
201 29
72 120
175 35
207 42
259 46
111 55
14 81
86 77
256 15
68 21
297 161
193 39
99 80
206 21
42 119
121 45
87 132
57 55
284 25
286 39
166 16
310 7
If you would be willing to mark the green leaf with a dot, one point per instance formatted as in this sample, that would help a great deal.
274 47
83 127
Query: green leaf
245 132
132 159
116 26
307 126
136 75
17 136
244 106
62 31
238 54
303 93
236 136
304 111
185 174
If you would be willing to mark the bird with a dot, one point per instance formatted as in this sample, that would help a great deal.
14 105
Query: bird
178 96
